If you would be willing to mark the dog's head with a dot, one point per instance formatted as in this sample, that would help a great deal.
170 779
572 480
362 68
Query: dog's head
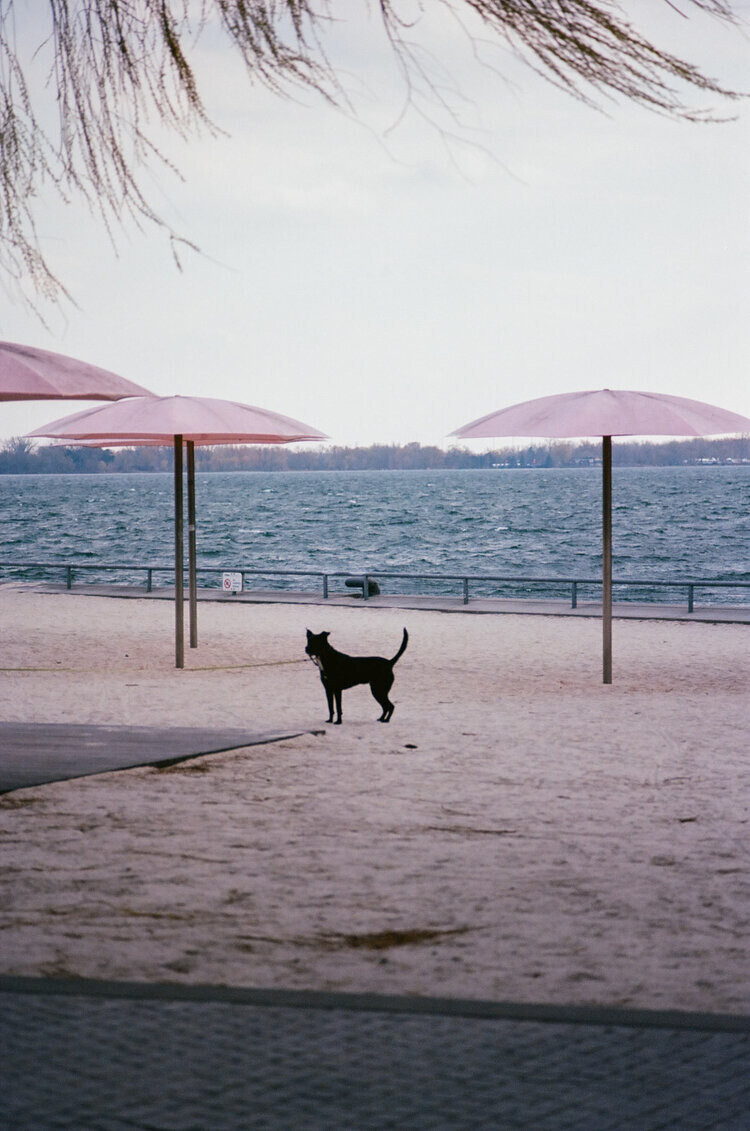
317 642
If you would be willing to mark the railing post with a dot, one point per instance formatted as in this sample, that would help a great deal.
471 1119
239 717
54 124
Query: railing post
325 586
466 590
574 595
691 589
149 579
69 577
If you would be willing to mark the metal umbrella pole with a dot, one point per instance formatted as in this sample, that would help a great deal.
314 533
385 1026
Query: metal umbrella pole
607 558
179 612
192 570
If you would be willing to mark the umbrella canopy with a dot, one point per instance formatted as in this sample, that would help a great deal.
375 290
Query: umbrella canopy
174 420
606 413
30 374
203 420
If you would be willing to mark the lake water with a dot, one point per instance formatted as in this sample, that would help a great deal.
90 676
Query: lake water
668 523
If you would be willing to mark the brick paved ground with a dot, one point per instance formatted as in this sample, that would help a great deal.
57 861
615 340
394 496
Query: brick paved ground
166 1061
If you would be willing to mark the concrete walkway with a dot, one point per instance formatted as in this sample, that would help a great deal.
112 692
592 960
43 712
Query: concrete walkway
629 610
112 1056
36 753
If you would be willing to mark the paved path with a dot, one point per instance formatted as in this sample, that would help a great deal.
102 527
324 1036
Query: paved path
624 610
111 1056
35 753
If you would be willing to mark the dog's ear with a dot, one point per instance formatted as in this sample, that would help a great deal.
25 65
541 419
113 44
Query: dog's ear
326 634
309 634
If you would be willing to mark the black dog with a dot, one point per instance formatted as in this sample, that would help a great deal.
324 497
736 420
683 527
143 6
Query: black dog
338 671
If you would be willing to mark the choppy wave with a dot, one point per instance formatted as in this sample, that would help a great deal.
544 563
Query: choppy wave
668 523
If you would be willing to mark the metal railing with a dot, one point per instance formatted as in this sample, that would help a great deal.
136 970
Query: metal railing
574 583
363 580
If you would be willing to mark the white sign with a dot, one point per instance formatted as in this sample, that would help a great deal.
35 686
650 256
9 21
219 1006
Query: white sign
231 582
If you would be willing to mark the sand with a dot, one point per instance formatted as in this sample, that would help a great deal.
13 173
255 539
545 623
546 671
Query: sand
518 831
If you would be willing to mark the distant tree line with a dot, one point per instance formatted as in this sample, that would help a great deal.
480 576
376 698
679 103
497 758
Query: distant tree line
23 457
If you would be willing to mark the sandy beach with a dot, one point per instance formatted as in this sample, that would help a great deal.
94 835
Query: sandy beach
518 831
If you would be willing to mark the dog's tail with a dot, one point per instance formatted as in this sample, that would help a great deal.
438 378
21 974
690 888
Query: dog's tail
402 649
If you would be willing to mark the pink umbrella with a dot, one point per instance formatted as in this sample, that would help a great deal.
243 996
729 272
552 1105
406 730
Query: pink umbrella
30 374
606 413
172 420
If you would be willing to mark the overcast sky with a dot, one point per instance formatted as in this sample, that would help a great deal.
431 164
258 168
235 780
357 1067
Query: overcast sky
367 275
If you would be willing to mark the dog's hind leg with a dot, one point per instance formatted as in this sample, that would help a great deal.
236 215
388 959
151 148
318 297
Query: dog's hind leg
380 694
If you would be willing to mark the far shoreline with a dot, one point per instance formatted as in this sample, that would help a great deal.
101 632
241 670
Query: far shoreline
20 456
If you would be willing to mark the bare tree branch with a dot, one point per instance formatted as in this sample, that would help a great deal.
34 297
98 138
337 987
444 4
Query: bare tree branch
118 66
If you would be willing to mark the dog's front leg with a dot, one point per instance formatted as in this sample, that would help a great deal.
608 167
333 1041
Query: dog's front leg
329 697
338 706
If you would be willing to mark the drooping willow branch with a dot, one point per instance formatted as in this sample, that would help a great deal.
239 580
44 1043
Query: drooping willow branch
116 67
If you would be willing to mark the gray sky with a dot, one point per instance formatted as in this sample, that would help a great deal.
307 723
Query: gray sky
379 281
